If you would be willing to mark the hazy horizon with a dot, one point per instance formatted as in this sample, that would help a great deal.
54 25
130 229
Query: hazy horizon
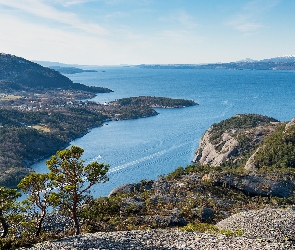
132 32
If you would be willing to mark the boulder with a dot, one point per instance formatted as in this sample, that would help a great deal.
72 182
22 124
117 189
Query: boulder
259 185
172 219
132 204
203 213
125 189
207 154
206 214
133 187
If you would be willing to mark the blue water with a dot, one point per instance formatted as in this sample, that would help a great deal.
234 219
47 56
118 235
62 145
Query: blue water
146 148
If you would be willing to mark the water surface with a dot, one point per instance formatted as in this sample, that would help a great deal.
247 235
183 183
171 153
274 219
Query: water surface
146 148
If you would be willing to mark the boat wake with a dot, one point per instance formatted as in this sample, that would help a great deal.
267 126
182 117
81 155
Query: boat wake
153 158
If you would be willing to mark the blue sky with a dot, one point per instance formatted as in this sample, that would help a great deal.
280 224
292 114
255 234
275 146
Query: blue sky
112 32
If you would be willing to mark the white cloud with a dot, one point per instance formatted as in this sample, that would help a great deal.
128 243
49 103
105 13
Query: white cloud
180 37
248 27
186 20
72 2
249 19
39 9
245 24
36 42
180 18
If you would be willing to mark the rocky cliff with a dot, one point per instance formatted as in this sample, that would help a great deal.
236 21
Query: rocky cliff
233 141
244 162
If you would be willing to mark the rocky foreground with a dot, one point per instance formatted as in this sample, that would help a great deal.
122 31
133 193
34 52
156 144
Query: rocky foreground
240 193
263 229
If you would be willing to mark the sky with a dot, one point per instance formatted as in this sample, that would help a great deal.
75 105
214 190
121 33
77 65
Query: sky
114 32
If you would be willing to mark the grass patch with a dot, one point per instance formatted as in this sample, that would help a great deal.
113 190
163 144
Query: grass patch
4 97
42 128
209 228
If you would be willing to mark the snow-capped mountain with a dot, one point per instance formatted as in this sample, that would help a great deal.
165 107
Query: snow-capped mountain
281 59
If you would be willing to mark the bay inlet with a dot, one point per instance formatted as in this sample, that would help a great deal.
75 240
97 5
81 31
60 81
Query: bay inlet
148 147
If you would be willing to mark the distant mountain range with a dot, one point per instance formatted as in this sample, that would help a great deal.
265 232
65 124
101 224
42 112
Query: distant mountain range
277 63
43 67
282 59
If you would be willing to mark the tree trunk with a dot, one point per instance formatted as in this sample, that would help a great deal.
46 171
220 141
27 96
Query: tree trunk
74 212
76 223
39 224
4 225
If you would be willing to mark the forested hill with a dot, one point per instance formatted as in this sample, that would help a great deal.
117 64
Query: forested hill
19 74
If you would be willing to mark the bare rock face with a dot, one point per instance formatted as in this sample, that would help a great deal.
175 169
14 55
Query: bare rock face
289 124
250 164
260 184
207 154
125 189
130 188
233 140
172 219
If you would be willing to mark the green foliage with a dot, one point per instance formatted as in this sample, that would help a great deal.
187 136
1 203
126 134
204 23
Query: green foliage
149 101
209 228
18 74
101 209
38 188
244 121
6 244
21 145
231 233
7 204
102 214
200 228
179 172
7 198
73 180
134 112
278 150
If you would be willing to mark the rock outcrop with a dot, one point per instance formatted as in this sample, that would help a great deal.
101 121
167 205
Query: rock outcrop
233 140
269 224
244 162
208 153
268 185
131 187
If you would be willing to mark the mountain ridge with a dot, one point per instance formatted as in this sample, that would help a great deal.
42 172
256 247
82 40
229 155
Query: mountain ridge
18 74
277 63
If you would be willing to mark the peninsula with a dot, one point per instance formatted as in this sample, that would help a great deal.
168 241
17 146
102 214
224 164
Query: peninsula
41 111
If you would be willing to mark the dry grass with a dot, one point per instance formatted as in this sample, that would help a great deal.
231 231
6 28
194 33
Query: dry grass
43 128
5 97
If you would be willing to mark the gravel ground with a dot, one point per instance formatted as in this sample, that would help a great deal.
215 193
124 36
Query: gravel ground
270 224
159 240
263 229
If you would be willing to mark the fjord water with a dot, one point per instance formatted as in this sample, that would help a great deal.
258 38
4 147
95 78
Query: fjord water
146 148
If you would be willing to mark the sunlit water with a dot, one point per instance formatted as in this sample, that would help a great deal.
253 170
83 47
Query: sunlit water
146 148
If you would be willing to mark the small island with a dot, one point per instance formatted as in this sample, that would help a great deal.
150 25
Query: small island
156 102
